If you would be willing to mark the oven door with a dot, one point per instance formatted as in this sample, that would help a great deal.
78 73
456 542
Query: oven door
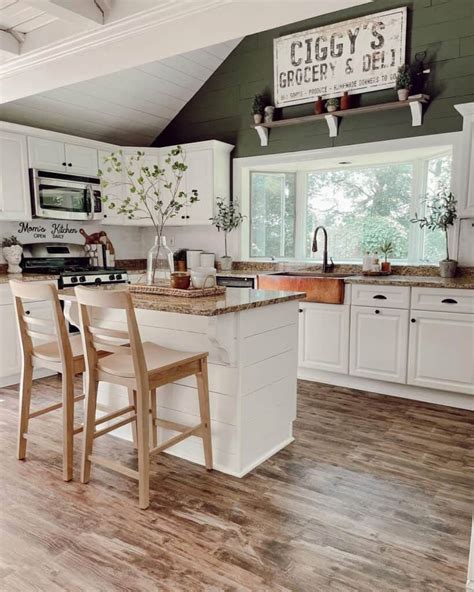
65 199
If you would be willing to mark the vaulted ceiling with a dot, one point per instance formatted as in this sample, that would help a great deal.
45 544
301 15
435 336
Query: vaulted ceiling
130 107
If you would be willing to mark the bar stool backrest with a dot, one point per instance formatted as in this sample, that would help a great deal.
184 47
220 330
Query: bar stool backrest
34 328
97 338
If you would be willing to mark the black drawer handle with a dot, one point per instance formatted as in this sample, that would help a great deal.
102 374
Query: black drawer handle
300 310
449 301
377 312
27 312
413 320
379 297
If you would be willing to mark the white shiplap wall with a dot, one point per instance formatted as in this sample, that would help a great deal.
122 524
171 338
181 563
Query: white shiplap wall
130 107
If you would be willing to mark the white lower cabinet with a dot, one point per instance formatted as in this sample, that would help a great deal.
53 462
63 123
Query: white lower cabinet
378 343
324 337
441 351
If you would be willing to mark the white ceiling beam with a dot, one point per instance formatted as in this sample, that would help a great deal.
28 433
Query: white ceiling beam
9 43
71 10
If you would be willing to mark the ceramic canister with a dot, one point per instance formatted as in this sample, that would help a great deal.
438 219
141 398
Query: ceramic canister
208 259
193 259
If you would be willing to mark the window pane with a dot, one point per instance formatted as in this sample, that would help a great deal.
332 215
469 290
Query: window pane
361 208
438 178
272 214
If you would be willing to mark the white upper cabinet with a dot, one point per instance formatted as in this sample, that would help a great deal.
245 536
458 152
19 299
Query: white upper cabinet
15 203
114 191
441 351
52 155
378 343
463 163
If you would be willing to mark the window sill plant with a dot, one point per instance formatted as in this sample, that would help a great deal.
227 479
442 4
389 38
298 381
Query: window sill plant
12 251
441 215
386 248
227 218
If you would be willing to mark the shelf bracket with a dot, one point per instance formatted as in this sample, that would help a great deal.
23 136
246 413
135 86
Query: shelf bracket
416 108
333 124
262 134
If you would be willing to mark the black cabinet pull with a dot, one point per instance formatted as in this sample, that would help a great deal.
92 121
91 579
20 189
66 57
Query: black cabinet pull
64 164
377 312
449 301
413 320
379 297
182 217
27 312
187 217
300 310
105 215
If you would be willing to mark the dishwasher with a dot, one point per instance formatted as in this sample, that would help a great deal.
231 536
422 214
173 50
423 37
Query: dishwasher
235 282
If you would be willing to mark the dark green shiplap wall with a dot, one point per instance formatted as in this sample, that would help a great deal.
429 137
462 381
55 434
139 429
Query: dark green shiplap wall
221 108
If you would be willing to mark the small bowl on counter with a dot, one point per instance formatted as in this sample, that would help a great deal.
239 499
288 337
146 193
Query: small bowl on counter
180 280
203 277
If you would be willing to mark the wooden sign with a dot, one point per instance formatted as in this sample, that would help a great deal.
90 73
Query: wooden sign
356 56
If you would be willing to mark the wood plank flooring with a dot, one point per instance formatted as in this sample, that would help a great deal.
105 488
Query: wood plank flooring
375 495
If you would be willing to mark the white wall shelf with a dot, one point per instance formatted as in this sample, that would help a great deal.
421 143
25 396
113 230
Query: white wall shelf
414 103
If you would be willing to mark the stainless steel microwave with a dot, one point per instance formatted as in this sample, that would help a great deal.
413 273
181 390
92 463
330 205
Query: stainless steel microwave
65 197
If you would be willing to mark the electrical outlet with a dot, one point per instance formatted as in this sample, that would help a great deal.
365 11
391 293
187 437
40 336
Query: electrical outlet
170 240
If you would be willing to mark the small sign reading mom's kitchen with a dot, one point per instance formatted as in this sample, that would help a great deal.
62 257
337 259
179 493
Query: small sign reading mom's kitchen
356 56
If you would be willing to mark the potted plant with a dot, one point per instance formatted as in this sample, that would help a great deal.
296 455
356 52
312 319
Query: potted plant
258 107
386 248
332 104
403 82
179 257
153 194
12 251
440 216
228 218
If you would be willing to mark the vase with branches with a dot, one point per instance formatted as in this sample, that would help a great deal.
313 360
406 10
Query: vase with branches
227 218
150 193
440 215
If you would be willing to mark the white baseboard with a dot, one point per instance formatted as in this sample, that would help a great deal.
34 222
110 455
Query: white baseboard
388 388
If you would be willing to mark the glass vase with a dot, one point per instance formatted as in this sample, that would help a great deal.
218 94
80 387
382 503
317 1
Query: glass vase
160 262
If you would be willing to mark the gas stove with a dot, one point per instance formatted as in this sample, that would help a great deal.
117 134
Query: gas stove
92 277
70 262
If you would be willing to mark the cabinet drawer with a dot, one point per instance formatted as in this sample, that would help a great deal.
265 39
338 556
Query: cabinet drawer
442 300
380 296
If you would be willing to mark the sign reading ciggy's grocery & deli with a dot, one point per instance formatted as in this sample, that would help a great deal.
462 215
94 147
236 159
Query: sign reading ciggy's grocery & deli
356 56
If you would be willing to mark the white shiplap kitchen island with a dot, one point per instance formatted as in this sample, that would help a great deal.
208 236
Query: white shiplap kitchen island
251 337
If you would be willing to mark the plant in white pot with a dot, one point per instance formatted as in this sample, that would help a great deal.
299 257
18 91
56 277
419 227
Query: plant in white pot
403 82
150 195
227 218
12 251
441 214
258 108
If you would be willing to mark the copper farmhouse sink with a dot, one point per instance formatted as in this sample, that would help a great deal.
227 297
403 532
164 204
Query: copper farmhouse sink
319 287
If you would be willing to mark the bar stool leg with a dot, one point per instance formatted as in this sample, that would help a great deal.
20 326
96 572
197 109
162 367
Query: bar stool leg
89 427
25 399
68 425
203 392
132 400
153 426
143 420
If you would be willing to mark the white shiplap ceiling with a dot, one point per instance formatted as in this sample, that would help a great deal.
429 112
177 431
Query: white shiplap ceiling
19 16
130 107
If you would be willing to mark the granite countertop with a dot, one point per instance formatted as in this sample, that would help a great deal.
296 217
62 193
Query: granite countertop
234 300
413 281
27 277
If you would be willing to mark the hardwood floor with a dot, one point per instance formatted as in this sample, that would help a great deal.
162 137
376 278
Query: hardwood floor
375 495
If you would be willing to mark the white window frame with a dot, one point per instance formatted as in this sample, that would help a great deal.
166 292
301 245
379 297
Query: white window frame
243 166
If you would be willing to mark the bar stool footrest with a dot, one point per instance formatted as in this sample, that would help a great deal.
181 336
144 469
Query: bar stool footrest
114 466
192 431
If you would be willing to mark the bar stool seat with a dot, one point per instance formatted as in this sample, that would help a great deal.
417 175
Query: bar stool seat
157 359
50 351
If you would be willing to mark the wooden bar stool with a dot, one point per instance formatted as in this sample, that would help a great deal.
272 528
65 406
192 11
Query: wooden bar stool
59 352
142 368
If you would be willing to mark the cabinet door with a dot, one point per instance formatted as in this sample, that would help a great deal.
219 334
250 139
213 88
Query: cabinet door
15 201
81 160
379 343
324 337
10 357
47 154
442 351
114 192
200 176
